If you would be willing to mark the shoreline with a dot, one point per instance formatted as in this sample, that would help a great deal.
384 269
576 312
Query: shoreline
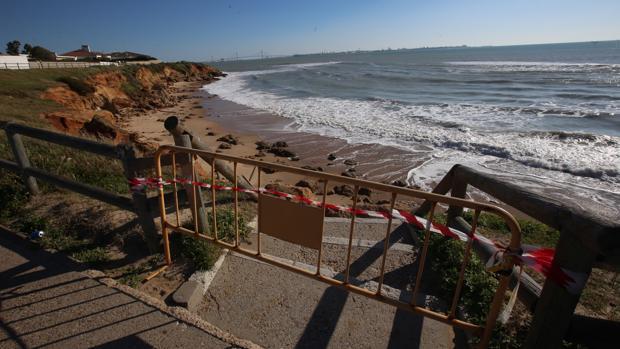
210 118
204 113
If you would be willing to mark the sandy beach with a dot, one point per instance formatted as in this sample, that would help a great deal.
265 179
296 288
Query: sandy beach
210 118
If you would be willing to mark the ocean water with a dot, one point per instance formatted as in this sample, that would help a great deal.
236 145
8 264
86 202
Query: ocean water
547 111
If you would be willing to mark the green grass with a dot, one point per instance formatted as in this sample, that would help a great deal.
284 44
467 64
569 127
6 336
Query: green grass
77 165
77 85
131 277
200 252
94 256
20 92
63 238
532 232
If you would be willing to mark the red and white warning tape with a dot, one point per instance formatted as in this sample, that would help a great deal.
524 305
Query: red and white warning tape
538 258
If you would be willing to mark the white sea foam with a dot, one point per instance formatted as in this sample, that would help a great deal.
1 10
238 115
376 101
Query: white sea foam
569 157
516 66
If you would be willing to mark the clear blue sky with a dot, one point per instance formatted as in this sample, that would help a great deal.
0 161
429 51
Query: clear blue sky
201 29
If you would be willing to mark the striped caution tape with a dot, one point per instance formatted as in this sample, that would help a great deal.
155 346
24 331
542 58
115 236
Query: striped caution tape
538 258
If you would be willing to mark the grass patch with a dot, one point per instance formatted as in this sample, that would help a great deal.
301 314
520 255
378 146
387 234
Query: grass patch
532 232
77 165
20 92
200 252
13 195
92 256
63 239
78 86
131 277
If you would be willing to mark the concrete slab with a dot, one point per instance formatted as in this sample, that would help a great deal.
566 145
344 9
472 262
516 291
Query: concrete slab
45 301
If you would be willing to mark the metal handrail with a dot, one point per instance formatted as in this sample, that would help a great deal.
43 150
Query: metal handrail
483 331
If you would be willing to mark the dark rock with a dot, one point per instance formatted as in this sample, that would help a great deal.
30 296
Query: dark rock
210 133
348 174
101 127
260 145
260 154
267 170
230 139
331 157
382 202
344 190
294 158
364 191
350 162
305 184
224 146
400 183
285 153
352 169
280 144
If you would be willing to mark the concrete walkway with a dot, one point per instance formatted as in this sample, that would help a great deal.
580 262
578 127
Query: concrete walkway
280 309
45 301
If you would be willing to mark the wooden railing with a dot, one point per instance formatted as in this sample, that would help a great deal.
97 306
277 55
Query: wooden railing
146 208
587 240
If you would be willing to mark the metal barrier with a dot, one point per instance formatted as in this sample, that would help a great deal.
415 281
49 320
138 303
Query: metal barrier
302 224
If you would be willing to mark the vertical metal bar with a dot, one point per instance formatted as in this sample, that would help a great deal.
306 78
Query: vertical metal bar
174 184
162 207
320 254
236 193
213 209
427 237
467 254
386 244
354 207
195 195
496 306
258 213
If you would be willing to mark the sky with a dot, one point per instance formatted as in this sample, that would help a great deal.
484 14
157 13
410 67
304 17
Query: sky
202 30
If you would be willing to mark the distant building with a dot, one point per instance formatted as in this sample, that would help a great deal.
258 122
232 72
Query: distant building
84 53
14 62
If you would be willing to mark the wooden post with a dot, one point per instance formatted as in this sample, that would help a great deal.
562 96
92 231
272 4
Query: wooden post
140 201
173 125
556 305
22 160
197 205
459 189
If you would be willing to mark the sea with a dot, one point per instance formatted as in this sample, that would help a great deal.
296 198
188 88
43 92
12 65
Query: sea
550 111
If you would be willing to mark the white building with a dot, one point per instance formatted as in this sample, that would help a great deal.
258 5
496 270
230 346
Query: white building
14 62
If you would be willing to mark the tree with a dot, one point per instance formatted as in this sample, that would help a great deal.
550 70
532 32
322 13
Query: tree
41 53
12 47
27 49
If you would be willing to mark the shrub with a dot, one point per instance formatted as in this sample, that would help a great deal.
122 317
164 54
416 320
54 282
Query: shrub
41 53
200 252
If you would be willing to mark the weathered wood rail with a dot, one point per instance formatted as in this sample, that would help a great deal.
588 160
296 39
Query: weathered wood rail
146 208
587 240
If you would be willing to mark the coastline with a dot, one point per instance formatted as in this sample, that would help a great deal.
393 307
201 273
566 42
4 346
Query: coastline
204 114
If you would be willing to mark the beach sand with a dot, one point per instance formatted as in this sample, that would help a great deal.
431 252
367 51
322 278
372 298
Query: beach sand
210 118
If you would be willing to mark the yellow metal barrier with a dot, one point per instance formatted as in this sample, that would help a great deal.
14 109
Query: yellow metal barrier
303 225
